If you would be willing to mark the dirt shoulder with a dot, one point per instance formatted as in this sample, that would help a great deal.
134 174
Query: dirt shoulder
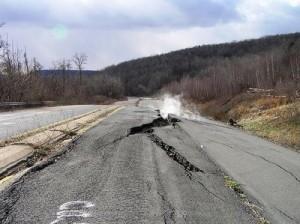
274 118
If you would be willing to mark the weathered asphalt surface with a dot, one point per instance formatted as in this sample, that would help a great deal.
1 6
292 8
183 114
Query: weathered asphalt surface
112 177
268 172
16 122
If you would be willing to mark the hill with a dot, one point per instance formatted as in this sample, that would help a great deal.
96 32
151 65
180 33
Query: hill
147 75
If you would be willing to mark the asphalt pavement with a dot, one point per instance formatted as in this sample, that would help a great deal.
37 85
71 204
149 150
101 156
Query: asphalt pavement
116 175
137 168
19 121
268 172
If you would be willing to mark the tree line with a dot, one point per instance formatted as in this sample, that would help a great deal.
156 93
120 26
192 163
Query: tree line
211 71
22 79
277 70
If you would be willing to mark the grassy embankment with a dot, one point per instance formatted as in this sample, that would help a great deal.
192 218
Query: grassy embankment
276 119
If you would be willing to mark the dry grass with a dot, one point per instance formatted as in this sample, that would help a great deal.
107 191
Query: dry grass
213 109
236 187
277 119
280 124
232 184
255 106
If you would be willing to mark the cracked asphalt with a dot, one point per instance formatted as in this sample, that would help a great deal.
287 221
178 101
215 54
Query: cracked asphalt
19 121
114 176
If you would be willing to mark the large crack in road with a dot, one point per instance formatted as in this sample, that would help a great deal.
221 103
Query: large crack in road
148 129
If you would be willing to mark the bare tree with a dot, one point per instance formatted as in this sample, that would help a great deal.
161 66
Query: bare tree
26 63
63 66
36 66
1 41
80 60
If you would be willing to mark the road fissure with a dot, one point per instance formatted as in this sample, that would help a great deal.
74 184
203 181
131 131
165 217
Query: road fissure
171 151
173 154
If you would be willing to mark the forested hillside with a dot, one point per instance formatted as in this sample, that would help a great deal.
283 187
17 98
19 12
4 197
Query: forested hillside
215 70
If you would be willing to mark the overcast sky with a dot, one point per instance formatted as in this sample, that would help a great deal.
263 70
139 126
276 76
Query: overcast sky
111 31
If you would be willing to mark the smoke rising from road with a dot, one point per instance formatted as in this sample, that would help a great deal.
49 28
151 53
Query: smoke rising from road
171 105
176 106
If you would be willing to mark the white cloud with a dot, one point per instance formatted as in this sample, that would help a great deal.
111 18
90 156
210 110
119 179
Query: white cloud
116 30
118 13
271 16
294 3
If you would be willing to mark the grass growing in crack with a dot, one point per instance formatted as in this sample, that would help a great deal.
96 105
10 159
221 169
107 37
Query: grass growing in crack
42 151
39 152
67 132
236 187
232 184
263 221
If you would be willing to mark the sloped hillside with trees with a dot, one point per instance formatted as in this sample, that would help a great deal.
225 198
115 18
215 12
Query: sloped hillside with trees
216 70
255 83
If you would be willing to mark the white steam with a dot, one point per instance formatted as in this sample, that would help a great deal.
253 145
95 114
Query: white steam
174 105
171 105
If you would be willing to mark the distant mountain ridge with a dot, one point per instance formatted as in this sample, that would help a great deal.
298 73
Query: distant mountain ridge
72 72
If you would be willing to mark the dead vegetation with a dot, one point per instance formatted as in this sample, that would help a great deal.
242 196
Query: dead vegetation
274 118
280 124
22 79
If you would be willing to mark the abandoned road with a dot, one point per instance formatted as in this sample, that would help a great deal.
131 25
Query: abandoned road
19 121
136 167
